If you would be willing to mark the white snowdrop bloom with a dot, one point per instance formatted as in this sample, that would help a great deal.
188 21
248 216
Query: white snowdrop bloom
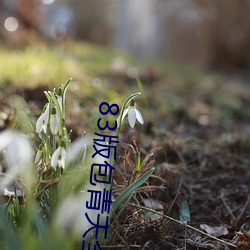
17 152
54 121
42 122
78 148
59 99
133 114
71 214
59 157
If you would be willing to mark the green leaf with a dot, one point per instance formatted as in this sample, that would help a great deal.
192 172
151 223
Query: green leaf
138 163
10 236
128 191
122 209
39 222
184 212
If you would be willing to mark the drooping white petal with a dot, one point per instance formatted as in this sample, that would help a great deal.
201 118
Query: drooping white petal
64 154
55 156
70 215
78 148
62 161
59 157
5 139
139 116
133 114
54 124
39 123
59 99
18 156
44 127
124 113
19 151
132 117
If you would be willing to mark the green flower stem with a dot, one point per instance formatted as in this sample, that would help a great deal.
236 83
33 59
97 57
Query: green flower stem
66 137
47 137
65 87
122 111
119 120
53 97
46 150
54 142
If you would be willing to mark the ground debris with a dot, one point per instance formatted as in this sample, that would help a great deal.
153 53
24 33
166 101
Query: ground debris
245 237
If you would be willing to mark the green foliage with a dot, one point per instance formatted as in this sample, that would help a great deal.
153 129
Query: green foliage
128 192
62 171
47 65
34 64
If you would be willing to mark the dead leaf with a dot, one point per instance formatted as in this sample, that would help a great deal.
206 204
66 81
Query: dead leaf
155 205
215 231
245 236
152 204
183 208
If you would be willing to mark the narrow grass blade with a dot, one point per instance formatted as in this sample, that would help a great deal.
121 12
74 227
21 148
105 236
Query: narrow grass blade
11 239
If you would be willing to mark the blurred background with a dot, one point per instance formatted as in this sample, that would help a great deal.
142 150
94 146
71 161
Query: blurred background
211 34
193 60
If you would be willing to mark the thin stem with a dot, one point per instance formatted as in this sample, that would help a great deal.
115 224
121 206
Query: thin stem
54 142
122 110
119 119
64 100
52 95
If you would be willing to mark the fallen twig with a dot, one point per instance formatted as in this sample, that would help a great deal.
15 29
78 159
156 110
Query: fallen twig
175 198
239 217
121 246
226 205
184 224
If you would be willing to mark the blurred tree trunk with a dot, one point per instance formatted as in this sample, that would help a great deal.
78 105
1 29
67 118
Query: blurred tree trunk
229 34
92 20
28 13
212 33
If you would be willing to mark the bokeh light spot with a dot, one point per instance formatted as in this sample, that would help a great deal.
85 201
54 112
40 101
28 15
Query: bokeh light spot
47 2
11 24
58 31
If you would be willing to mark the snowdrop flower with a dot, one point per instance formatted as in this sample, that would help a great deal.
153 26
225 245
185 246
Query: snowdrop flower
70 216
42 122
54 121
78 148
17 152
133 114
59 157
